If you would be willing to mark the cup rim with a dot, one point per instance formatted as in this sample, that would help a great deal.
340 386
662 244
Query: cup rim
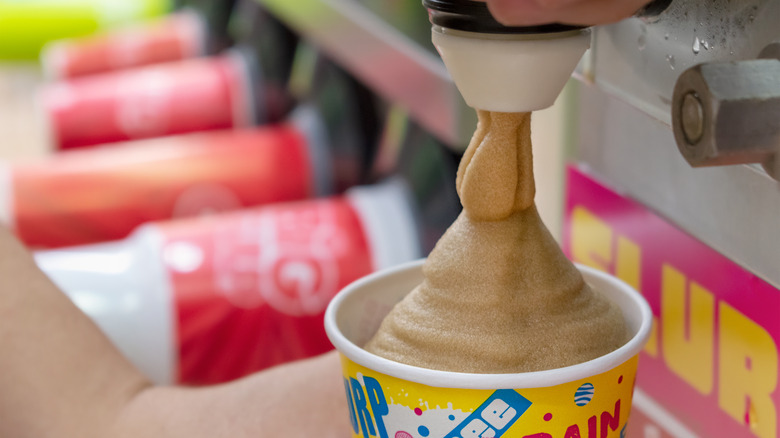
449 379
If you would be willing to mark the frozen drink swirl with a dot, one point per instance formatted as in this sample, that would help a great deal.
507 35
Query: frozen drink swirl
499 296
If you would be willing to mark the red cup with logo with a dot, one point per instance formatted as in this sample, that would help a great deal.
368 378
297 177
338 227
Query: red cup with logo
199 94
208 300
102 194
176 37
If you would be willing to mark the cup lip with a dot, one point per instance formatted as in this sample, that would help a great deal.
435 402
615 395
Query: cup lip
449 379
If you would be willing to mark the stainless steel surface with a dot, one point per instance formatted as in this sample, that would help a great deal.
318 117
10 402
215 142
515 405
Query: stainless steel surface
728 112
733 209
625 135
639 60
388 61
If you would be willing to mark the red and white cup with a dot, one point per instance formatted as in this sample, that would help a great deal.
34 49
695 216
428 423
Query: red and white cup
193 95
101 194
172 38
204 301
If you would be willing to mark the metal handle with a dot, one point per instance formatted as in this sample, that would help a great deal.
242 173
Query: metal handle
729 112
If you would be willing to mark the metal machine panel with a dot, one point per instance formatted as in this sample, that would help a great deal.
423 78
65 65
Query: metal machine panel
639 60
734 209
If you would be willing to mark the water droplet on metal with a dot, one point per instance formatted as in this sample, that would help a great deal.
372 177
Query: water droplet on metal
670 60
706 45
696 46
666 36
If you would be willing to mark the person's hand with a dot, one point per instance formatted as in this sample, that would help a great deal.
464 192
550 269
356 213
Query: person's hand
584 12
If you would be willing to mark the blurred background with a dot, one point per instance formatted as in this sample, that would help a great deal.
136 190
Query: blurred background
202 176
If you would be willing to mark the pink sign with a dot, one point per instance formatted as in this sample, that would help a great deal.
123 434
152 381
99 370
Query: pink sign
710 368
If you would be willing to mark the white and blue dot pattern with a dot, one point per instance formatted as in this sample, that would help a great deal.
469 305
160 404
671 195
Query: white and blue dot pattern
584 394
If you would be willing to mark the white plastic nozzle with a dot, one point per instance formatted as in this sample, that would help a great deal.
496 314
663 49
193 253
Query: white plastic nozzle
510 73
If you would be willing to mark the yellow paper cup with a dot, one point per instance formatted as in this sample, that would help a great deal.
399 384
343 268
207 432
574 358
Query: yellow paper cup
393 400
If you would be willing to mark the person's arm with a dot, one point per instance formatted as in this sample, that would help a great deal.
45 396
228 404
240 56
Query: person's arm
302 399
584 12
60 377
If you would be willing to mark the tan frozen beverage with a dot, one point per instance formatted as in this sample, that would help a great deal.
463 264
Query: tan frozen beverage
499 296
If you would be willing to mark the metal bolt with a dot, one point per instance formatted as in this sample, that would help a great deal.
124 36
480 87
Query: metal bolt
727 113
692 115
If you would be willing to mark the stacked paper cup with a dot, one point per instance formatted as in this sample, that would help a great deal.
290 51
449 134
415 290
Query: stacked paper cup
207 300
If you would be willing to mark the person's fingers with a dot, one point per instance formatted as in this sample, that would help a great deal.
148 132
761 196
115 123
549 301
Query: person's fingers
584 12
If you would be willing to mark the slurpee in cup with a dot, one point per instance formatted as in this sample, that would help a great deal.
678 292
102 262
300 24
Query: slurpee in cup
394 400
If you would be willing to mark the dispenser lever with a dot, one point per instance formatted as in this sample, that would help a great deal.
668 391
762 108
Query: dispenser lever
727 113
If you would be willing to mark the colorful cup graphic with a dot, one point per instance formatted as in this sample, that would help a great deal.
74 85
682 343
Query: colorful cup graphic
393 400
